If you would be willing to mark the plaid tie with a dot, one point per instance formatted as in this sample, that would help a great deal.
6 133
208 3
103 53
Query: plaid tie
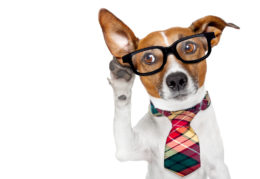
182 152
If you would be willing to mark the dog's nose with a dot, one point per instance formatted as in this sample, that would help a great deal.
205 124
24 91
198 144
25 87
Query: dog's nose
176 81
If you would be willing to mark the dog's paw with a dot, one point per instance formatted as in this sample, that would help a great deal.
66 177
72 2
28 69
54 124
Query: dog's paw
121 80
120 72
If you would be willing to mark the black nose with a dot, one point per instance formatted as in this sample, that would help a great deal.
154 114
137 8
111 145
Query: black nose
177 81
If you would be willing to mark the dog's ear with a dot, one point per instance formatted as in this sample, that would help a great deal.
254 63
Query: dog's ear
211 24
119 38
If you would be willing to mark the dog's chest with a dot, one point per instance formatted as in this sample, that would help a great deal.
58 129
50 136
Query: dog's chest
161 129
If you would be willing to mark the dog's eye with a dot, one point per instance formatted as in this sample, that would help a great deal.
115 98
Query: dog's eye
189 47
149 58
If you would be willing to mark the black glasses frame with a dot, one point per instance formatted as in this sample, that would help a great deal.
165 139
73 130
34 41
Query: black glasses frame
169 50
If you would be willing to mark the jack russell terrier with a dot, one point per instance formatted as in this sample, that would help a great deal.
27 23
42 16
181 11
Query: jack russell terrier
179 136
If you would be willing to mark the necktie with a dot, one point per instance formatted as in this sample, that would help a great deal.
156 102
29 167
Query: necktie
182 152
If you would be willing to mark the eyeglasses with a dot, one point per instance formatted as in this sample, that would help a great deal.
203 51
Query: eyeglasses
190 49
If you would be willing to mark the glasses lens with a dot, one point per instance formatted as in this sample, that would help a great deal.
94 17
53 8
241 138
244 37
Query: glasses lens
148 61
193 49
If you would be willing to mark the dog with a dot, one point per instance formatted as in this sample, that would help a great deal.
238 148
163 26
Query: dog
172 70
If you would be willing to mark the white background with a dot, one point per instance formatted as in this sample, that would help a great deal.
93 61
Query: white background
56 107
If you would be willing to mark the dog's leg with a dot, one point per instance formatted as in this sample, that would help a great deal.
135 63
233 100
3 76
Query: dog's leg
128 142
212 148
217 168
219 171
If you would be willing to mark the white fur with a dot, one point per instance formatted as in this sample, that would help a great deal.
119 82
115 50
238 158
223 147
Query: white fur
165 39
175 105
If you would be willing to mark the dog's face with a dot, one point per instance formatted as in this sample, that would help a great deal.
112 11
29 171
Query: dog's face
177 80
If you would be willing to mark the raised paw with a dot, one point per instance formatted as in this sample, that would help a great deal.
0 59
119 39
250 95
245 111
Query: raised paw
121 80
120 72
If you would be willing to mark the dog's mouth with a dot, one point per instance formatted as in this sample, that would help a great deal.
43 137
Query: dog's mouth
180 95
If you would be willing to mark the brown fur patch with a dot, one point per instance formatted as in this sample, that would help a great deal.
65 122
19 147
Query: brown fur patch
153 82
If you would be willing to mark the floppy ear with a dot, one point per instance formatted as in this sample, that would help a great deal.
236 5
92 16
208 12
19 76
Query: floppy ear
119 37
211 24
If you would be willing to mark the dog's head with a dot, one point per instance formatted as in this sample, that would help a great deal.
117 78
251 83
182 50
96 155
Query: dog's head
177 80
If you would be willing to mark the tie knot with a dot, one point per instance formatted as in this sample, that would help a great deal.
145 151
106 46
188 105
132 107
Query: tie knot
181 119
